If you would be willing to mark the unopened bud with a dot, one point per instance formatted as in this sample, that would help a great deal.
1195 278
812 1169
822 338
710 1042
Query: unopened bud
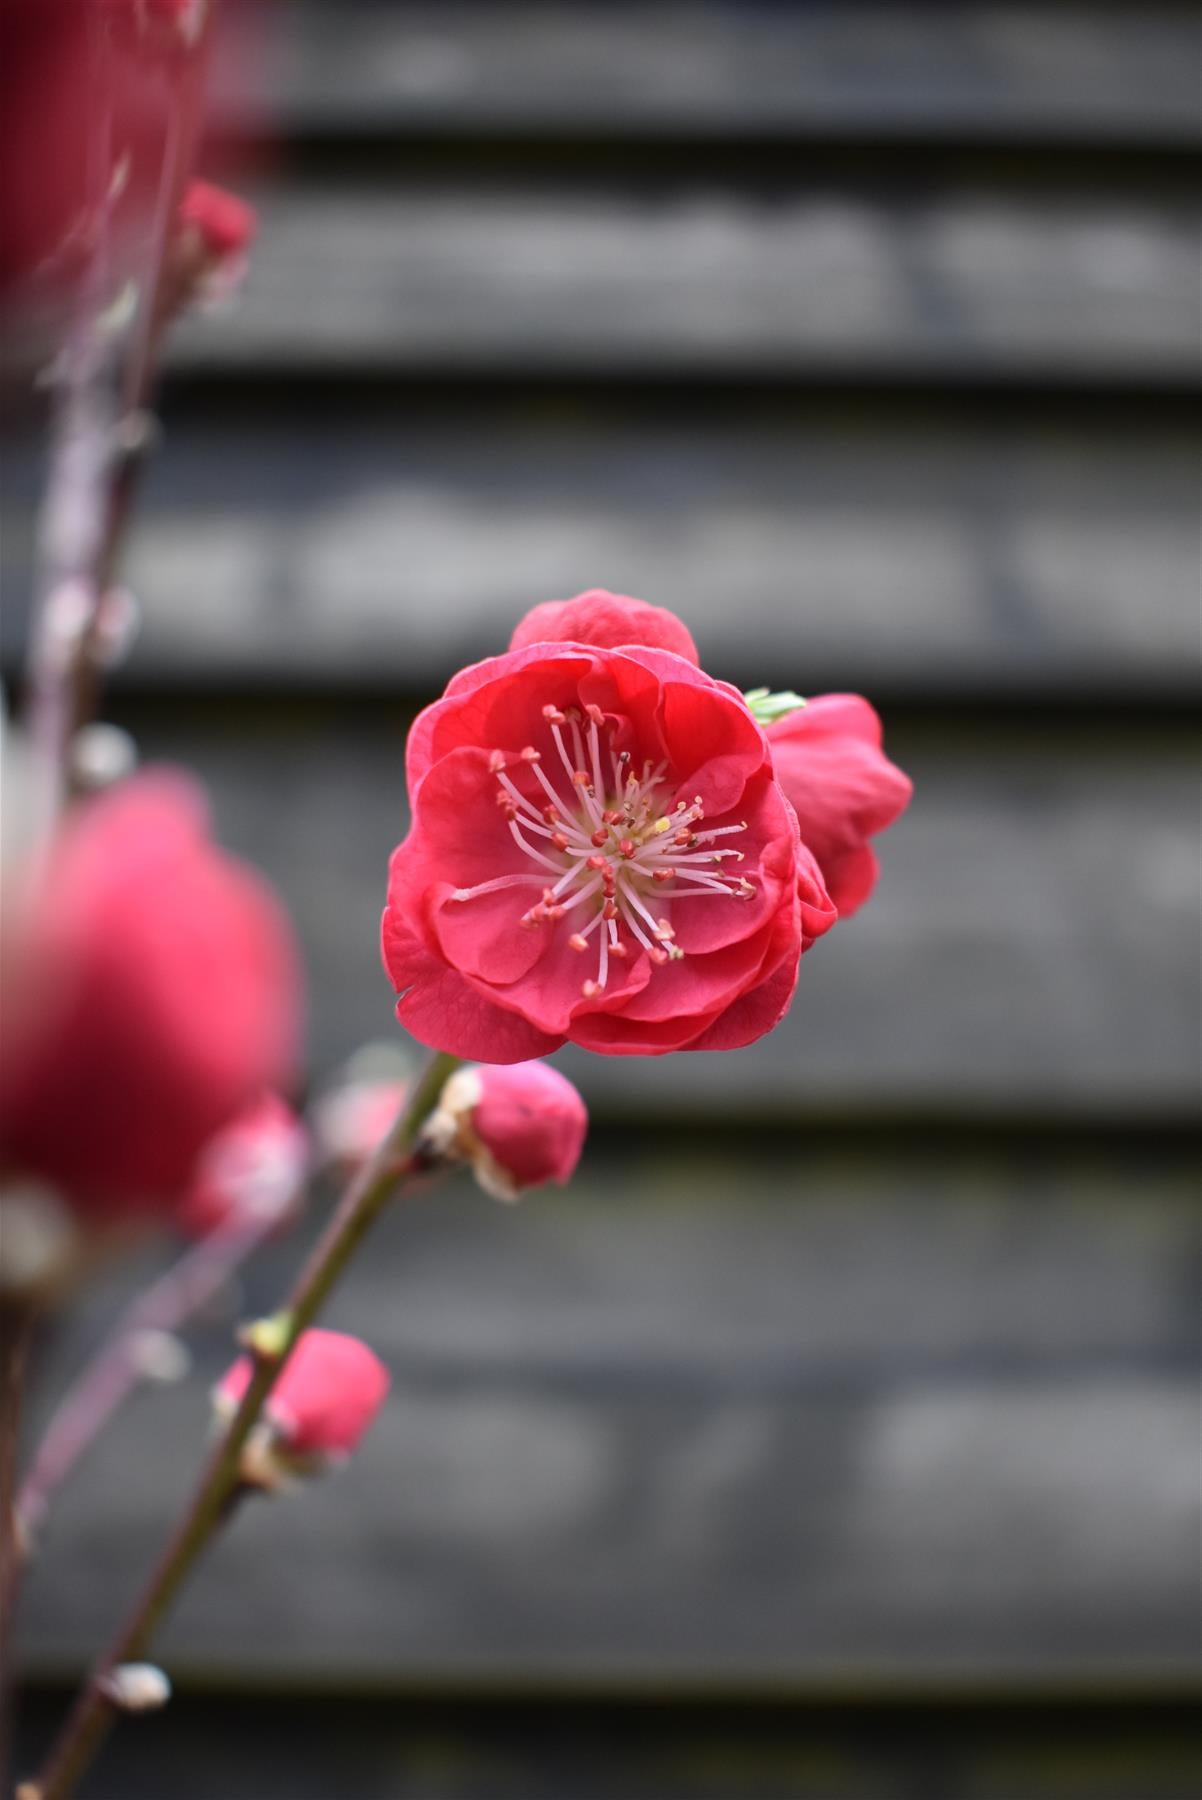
100 755
136 1687
331 1389
38 1240
209 250
520 1125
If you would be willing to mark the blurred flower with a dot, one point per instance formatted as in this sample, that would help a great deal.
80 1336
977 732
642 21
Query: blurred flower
83 129
152 990
600 853
350 1122
607 621
251 1174
331 1389
520 1125
48 78
842 786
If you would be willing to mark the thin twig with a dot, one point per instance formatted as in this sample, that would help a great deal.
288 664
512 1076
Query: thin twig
117 1368
396 1158
101 437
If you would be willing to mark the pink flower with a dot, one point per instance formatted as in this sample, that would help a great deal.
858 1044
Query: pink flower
842 787
600 853
331 1388
520 1125
250 1175
153 992
607 620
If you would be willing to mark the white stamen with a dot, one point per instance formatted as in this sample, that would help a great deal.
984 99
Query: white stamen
531 851
617 863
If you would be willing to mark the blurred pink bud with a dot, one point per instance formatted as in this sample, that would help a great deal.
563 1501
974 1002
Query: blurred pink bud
331 1389
208 254
250 1175
351 1121
520 1125
225 225
152 989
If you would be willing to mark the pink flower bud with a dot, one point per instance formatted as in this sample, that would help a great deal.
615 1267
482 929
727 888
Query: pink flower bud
151 991
331 1389
214 231
225 225
520 1125
250 1174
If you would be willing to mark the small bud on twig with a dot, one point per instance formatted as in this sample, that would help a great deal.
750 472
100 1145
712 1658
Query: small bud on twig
38 1239
100 755
331 1389
519 1125
136 1687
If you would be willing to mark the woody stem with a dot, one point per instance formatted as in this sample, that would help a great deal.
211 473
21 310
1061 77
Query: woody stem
396 1159
84 1411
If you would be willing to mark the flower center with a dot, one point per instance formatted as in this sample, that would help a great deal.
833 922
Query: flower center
604 845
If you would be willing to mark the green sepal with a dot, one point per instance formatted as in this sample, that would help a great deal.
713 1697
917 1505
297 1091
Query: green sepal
766 706
268 1338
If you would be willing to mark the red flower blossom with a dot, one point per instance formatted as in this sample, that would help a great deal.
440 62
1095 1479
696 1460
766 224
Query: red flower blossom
520 1125
250 1175
331 1388
600 853
608 621
153 992
842 787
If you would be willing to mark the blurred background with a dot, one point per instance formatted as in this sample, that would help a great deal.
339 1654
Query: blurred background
837 1434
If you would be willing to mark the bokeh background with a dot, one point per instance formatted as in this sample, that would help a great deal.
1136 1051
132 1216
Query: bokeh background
837 1434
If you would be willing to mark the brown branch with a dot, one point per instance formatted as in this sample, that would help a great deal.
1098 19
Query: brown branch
398 1157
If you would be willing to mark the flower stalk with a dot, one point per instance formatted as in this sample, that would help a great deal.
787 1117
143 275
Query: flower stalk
399 1156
